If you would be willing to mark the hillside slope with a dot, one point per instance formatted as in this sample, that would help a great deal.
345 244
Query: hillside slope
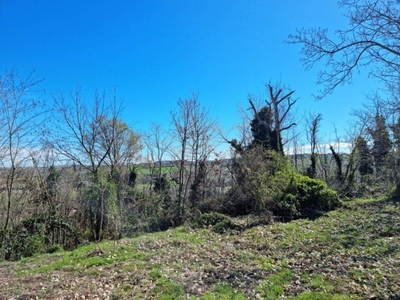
351 253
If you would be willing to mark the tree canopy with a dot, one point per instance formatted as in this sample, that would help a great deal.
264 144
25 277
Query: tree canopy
372 42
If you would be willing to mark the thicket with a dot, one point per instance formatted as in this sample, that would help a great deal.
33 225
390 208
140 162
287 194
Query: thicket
266 181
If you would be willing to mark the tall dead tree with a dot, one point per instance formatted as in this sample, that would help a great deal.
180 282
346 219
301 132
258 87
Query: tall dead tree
280 103
312 130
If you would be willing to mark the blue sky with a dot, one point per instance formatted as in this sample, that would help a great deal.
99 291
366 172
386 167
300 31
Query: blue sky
156 52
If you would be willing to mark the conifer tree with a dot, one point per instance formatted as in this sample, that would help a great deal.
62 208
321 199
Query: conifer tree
262 130
381 142
365 166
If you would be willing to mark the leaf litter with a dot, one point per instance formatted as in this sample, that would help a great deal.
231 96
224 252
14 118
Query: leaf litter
351 253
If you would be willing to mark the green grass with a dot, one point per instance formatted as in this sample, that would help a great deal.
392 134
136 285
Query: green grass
351 253
81 259
274 286
223 292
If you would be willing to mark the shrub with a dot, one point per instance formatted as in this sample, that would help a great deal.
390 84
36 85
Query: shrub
288 206
34 244
38 234
266 181
303 196
55 248
209 219
225 225
394 194
219 222
254 171
99 204
20 243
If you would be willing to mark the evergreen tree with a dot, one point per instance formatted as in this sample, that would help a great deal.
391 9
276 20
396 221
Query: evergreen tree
132 177
381 142
161 184
395 128
395 162
262 130
197 189
365 165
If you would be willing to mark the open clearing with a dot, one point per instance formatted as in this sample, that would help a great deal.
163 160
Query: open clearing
351 253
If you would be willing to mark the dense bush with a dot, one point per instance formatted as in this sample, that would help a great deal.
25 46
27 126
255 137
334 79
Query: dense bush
219 222
303 196
99 204
225 225
145 213
55 248
266 181
209 219
253 171
39 235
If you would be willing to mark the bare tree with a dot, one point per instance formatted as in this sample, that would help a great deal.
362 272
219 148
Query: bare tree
195 131
242 129
313 123
296 150
157 143
281 105
51 200
122 146
182 126
202 145
21 120
92 136
372 42
79 129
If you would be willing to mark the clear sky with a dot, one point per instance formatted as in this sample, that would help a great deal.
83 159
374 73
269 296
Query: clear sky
157 51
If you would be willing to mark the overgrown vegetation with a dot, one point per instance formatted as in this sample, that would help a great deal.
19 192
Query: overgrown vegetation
78 194
266 181
102 192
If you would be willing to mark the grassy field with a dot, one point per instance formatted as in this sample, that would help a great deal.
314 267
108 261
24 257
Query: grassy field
351 253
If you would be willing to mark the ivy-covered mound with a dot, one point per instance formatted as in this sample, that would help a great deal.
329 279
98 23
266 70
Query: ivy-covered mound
266 181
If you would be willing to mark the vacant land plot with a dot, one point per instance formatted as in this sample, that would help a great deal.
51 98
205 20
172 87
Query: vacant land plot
351 253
